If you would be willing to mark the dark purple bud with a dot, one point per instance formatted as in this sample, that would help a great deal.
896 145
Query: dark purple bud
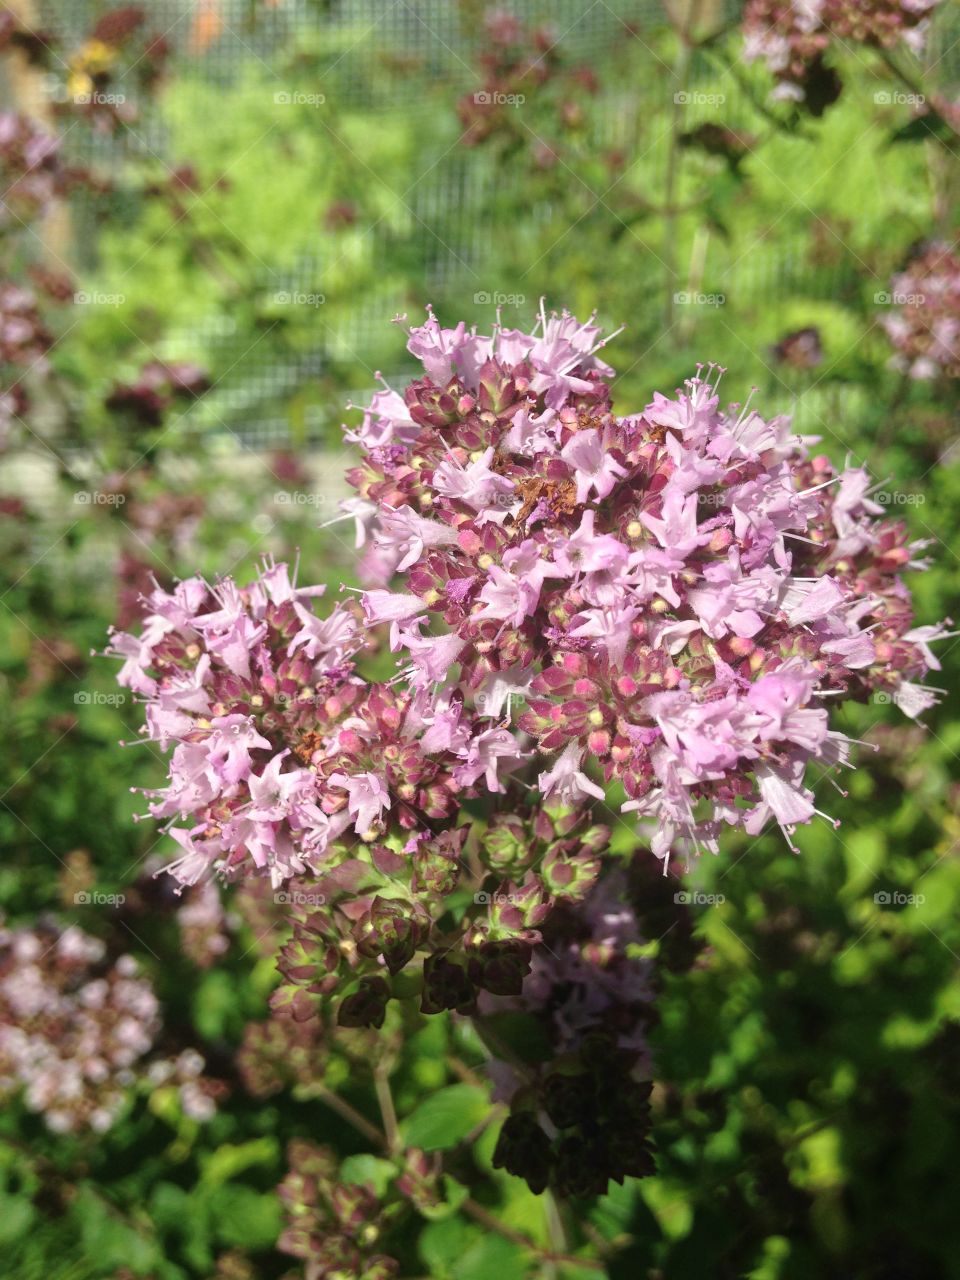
367 1006
446 986
523 1149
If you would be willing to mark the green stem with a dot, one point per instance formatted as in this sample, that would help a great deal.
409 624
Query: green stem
680 76
555 1232
381 1083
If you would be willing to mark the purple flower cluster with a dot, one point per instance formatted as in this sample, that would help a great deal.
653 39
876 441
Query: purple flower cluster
287 764
280 1052
517 62
670 600
660 608
24 338
581 1115
76 1031
203 924
282 749
924 326
30 175
157 388
792 36
25 343
334 1226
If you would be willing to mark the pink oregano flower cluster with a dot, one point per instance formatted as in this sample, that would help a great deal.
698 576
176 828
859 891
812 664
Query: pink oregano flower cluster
587 613
669 600
792 36
660 607
78 1032
924 322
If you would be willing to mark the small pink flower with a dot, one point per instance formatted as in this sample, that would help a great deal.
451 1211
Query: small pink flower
595 469
368 798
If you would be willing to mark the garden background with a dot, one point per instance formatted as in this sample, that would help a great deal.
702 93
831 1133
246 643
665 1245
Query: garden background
246 194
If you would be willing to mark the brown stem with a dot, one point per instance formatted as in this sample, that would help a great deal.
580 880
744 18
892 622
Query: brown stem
470 1206
487 1219
351 1115
462 1071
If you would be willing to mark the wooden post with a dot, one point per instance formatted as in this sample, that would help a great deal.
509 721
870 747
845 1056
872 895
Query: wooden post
28 96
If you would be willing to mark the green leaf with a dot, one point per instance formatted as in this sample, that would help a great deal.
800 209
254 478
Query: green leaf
444 1119
169 1206
183 1215
229 1160
111 1239
16 1216
214 1002
246 1218
613 1213
454 1194
367 1170
442 1244
494 1256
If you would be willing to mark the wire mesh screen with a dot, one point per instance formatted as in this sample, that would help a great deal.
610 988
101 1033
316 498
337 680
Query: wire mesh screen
374 61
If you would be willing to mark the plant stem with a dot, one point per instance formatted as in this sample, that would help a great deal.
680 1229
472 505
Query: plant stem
389 1140
351 1115
555 1231
487 1219
462 1071
680 75
381 1083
